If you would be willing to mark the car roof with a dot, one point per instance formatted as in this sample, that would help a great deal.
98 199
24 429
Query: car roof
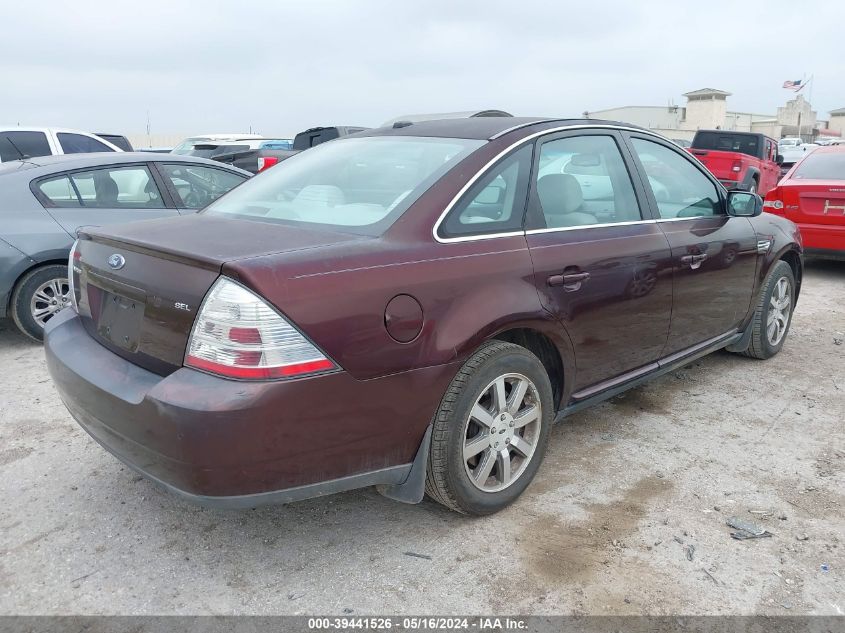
62 162
482 128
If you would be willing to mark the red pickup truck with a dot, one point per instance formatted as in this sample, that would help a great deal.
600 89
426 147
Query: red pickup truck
741 160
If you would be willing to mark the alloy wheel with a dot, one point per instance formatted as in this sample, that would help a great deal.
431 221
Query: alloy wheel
501 432
48 299
779 311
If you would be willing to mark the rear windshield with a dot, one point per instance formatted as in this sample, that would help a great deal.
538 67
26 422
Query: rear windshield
357 185
822 166
742 143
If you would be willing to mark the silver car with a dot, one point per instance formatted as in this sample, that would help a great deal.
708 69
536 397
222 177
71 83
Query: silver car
45 200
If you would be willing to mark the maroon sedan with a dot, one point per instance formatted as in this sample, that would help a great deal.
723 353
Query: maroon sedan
412 307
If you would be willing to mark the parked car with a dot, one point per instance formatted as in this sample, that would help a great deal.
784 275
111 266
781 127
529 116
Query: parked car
18 143
255 160
411 308
117 140
792 152
740 160
812 195
212 149
254 155
316 135
187 145
45 201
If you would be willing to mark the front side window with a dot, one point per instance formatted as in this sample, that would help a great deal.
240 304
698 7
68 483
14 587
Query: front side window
679 187
494 204
81 144
129 187
582 180
197 186
20 145
357 185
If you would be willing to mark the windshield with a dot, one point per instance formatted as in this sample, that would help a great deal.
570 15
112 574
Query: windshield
822 166
359 185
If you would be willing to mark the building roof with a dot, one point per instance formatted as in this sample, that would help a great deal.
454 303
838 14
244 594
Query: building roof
706 91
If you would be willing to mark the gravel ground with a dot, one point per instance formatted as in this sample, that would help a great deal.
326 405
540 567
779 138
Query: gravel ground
627 514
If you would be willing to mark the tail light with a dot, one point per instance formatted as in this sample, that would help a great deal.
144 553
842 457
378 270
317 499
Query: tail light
266 161
72 271
737 166
238 335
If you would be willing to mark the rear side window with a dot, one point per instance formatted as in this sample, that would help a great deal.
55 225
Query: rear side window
822 166
17 145
113 188
59 192
81 144
494 204
197 186
583 181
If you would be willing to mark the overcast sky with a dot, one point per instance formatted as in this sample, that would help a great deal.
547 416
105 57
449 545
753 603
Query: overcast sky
279 67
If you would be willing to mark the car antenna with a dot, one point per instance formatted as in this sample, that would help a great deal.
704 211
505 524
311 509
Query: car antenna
20 153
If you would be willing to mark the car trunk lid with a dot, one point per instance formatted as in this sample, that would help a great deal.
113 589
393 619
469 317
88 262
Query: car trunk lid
815 201
139 286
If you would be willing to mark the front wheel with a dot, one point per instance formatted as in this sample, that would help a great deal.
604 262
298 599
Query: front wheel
773 314
491 430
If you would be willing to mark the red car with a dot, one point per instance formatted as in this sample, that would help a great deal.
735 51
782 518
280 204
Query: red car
412 307
812 194
740 160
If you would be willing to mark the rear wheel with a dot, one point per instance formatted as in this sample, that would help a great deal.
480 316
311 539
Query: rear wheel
491 430
773 314
38 297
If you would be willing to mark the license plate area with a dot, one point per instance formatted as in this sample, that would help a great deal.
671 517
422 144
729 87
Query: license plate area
120 320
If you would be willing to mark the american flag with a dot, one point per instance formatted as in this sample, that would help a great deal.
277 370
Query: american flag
794 85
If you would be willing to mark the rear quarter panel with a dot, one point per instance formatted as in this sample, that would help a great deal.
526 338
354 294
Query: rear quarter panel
468 292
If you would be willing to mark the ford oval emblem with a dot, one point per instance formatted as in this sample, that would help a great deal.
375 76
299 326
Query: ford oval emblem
117 261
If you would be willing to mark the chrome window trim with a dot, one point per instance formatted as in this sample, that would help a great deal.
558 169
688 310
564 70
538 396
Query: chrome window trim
520 126
481 172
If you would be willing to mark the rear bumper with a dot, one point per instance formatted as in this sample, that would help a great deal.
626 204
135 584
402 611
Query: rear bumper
241 444
823 239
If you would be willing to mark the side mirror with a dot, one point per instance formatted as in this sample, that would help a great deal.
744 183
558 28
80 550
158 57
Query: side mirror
779 159
744 204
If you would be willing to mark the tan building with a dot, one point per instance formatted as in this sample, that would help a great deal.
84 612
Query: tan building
837 121
708 109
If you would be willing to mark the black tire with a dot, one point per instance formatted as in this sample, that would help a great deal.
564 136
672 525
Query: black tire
21 304
447 479
761 346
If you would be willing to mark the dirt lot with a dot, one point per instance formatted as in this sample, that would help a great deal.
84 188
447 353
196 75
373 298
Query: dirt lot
627 514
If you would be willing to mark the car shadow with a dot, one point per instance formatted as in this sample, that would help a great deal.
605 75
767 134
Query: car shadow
11 337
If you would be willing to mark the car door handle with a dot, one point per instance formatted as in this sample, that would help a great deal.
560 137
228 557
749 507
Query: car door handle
570 281
694 261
